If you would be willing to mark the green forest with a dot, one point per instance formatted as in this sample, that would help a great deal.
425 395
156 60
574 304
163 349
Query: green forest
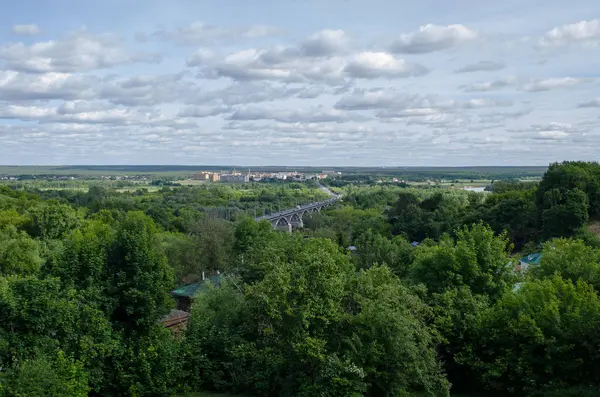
394 291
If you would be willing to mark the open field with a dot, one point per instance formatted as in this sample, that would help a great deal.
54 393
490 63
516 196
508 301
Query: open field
192 182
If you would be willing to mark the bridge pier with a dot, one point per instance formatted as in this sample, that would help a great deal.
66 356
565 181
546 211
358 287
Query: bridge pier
296 221
285 228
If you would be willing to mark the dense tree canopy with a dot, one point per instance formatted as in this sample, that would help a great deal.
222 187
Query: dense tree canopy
542 337
394 291
571 175
315 326
477 259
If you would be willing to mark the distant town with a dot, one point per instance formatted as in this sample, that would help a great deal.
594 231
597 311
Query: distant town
240 177
208 176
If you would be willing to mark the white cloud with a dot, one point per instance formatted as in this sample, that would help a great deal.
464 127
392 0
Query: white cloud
377 98
146 90
430 38
325 43
18 86
594 103
394 104
382 64
500 118
410 112
80 51
84 113
201 57
583 31
201 111
78 107
550 84
441 120
202 33
250 65
302 115
26 30
479 103
253 92
481 66
552 135
244 91
531 85
324 56
555 131
488 85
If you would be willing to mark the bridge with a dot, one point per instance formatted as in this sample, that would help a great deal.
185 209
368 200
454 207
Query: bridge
290 219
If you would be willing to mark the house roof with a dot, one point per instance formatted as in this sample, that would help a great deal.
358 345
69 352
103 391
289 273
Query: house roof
531 259
189 290
174 318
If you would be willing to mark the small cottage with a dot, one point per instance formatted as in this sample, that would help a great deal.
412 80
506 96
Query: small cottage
527 261
184 294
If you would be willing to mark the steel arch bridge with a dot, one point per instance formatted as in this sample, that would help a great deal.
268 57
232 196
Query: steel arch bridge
292 218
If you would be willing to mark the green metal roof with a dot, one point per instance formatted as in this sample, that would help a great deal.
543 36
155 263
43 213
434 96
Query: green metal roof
190 290
531 259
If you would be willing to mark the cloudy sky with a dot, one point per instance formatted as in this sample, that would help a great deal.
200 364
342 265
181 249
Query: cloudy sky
300 82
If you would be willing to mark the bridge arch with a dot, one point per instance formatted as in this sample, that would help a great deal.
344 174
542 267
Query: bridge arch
282 223
296 220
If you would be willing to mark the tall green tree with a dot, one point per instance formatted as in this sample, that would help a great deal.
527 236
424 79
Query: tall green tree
12 217
215 239
477 259
514 211
19 253
147 365
373 248
572 260
52 220
457 314
139 278
44 377
389 339
564 213
183 255
570 175
41 317
82 260
541 338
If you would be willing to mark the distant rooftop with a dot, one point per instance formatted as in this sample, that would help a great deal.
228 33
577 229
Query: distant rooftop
189 290
531 259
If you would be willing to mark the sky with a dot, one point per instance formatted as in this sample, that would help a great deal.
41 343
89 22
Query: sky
299 82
